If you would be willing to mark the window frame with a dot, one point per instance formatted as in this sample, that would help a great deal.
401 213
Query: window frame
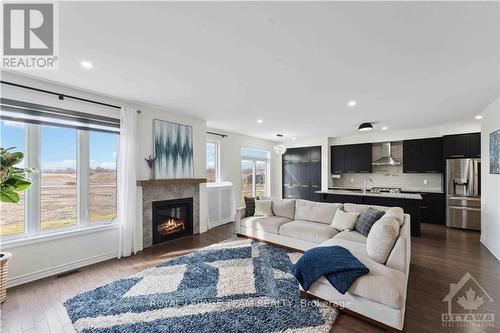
216 161
32 201
254 168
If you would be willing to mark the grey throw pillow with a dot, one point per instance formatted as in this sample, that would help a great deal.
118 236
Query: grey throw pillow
250 205
367 219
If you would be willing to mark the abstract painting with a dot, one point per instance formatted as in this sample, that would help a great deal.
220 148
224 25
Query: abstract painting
495 152
173 146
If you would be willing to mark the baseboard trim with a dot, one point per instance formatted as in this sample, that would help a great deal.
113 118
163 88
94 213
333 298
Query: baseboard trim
22 279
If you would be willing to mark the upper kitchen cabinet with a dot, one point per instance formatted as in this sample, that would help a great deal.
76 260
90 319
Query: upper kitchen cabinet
462 145
423 156
351 158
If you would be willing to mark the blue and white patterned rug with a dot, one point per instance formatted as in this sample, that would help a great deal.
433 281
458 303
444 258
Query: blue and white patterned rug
234 286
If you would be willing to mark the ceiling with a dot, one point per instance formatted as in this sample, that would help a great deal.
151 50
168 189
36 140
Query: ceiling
294 65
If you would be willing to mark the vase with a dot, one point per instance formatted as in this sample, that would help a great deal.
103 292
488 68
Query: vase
4 258
151 173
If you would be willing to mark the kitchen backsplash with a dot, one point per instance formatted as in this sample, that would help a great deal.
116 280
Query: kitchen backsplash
391 175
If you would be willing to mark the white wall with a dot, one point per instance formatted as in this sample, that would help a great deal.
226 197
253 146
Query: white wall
49 256
490 183
230 160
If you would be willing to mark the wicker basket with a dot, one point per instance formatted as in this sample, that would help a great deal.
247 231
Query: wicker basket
4 258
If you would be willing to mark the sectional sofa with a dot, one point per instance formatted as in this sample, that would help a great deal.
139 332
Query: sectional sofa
380 295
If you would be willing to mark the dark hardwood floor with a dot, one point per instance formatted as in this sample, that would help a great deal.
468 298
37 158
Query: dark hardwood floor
440 257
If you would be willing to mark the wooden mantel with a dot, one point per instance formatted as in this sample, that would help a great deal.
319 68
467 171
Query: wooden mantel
163 182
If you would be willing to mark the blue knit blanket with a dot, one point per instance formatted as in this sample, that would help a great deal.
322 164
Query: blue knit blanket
335 263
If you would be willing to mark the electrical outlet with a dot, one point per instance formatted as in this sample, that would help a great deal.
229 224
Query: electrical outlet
425 181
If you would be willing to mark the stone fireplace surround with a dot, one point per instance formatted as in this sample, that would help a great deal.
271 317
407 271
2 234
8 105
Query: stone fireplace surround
159 191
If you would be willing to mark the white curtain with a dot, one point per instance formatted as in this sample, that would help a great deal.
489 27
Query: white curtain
127 209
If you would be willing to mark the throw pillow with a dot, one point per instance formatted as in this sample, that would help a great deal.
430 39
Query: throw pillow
397 213
263 208
367 219
250 206
344 221
381 239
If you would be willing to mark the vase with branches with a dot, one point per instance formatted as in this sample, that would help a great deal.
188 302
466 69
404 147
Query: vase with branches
151 164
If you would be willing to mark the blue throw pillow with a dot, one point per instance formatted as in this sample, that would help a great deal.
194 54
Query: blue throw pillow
367 219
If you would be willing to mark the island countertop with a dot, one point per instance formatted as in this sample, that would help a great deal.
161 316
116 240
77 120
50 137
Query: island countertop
411 196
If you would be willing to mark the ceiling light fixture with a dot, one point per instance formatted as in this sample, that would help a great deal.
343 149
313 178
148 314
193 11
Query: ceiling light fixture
365 127
385 128
293 138
478 117
279 149
351 103
259 121
86 64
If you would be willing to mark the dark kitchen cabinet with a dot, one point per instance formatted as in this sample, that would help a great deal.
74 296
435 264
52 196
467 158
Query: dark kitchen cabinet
423 155
351 158
433 209
462 145
302 173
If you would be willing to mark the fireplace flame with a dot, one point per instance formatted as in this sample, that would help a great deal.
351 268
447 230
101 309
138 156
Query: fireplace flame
172 225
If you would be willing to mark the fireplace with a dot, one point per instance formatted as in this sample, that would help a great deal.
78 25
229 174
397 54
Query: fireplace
172 219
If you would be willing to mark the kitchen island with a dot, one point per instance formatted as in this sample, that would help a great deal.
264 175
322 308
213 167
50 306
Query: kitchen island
410 202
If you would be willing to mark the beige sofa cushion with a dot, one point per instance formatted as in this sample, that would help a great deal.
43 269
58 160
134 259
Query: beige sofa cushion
308 231
263 208
382 284
351 236
284 207
397 213
343 221
315 211
381 238
269 224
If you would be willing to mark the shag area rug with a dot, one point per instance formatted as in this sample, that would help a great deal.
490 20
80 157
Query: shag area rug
234 286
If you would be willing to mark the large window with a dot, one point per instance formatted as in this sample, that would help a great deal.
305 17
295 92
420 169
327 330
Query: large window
58 186
212 161
76 183
102 176
254 173
12 214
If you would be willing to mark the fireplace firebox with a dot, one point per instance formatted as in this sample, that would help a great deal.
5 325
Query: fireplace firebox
172 219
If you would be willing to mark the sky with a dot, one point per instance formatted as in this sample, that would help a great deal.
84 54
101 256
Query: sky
59 146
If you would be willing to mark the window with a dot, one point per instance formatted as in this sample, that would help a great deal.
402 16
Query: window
254 173
212 161
102 175
12 214
58 186
76 183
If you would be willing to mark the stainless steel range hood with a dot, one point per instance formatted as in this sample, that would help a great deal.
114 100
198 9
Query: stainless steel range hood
386 158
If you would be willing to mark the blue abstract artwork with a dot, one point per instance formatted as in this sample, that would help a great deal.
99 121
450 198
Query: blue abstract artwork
173 146
495 152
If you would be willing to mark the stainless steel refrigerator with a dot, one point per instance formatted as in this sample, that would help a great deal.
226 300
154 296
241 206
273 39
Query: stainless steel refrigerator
463 193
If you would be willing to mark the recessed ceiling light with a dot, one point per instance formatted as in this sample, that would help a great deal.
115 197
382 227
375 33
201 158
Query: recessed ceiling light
86 64
293 138
365 127
385 128
478 117
259 121
351 103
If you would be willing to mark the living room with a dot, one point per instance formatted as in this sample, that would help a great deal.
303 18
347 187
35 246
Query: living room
250 166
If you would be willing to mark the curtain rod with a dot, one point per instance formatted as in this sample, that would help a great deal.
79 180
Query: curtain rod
218 134
60 95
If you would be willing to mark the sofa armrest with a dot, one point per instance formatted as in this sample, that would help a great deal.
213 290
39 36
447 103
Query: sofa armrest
238 216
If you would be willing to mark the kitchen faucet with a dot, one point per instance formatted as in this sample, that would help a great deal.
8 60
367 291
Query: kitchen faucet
364 184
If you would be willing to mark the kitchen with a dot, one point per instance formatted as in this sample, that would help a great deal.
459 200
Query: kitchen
435 180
